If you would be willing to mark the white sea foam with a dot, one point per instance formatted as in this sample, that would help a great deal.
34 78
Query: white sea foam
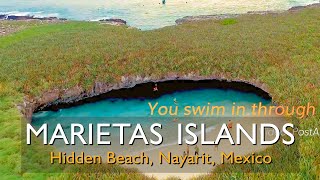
98 19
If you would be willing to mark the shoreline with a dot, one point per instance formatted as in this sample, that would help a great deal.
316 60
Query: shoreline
70 97
188 19
185 19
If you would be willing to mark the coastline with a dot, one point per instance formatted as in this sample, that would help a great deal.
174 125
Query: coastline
62 98
186 19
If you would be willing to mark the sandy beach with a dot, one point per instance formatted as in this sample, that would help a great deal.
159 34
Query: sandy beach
191 170
165 170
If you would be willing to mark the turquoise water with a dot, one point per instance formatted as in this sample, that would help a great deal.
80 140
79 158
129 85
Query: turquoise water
141 108
143 14
136 111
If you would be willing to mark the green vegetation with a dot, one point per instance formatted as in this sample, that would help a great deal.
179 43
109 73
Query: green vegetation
228 21
283 52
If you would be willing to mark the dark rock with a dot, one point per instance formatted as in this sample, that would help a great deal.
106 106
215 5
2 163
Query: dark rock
117 22
17 18
46 18
14 17
3 16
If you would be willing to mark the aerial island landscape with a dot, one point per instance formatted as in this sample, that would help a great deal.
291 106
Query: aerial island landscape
105 68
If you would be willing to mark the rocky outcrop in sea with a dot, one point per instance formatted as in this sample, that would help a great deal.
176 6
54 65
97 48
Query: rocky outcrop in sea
115 22
24 18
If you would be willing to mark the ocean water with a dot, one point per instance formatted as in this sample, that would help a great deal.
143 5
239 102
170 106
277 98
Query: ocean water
143 14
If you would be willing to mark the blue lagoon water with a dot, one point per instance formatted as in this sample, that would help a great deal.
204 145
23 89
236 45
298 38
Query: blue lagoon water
136 111
112 107
143 14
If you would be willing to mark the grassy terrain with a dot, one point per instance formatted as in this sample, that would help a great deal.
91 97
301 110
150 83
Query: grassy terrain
9 27
281 51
